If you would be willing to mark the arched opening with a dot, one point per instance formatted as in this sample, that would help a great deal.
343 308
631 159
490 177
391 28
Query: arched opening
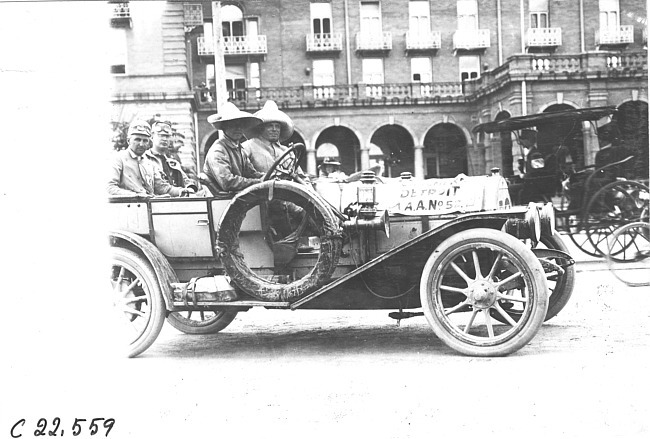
397 146
569 134
507 167
632 122
445 151
346 143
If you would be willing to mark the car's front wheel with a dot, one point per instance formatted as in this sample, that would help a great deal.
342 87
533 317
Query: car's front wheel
478 272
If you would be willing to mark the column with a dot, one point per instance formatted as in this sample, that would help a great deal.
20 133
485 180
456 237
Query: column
365 157
311 161
418 161
590 143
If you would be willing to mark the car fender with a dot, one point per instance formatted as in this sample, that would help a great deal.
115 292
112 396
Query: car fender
163 269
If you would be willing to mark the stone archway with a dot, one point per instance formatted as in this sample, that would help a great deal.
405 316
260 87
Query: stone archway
568 133
632 122
445 151
346 142
396 144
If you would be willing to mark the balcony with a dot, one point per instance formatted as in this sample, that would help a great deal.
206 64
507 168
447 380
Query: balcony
324 42
420 41
615 36
374 42
544 37
566 67
238 45
120 15
471 39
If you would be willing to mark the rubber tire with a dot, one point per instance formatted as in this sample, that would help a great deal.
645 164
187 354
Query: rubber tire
139 266
211 326
243 276
563 290
533 276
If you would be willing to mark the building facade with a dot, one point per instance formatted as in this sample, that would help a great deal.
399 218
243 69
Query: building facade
395 82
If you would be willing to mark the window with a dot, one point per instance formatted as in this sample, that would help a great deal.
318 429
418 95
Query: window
469 66
419 18
323 71
538 13
370 18
232 21
236 82
609 14
421 70
373 74
467 15
118 53
255 79
321 18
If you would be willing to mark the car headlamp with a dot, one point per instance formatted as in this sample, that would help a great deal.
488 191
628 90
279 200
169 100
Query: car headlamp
533 221
547 219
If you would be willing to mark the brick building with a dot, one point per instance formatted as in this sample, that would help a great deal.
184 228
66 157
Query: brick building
393 81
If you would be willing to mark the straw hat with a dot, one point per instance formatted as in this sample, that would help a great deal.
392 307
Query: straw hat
230 113
271 113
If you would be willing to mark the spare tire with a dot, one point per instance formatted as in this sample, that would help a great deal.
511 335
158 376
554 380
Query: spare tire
243 276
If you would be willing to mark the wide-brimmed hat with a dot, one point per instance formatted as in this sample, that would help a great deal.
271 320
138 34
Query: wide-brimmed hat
271 113
230 113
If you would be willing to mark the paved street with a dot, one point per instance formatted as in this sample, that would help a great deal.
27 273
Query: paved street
329 374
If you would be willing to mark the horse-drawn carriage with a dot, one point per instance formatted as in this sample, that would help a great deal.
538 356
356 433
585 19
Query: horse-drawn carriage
486 274
590 202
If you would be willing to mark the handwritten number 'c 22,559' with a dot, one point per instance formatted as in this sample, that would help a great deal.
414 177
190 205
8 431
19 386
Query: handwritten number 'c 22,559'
80 426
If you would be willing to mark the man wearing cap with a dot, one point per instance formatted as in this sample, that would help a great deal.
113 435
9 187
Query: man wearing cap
227 164
132 174
168 167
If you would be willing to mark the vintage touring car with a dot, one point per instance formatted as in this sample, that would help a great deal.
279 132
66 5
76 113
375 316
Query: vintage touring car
485 274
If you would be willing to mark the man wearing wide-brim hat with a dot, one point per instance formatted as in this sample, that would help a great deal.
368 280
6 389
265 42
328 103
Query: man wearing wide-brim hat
227 164
265 145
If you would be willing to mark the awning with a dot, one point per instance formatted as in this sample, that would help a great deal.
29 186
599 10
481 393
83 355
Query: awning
545 119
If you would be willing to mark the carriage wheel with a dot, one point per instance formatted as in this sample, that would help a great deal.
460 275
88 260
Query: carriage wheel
615 204
476 272
628 256
201 322
137 300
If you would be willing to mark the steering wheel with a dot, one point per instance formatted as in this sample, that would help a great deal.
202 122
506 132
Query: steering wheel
285 167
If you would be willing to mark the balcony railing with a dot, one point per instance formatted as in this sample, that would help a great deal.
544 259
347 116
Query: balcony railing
423 40
239 45
324 42
544 37
471 39
615 36
516 68
378 41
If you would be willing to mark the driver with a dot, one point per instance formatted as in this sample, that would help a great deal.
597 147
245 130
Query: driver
227 164
264 145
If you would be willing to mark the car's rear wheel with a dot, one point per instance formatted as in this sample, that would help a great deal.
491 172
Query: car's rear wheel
201 322
137 300
476 272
